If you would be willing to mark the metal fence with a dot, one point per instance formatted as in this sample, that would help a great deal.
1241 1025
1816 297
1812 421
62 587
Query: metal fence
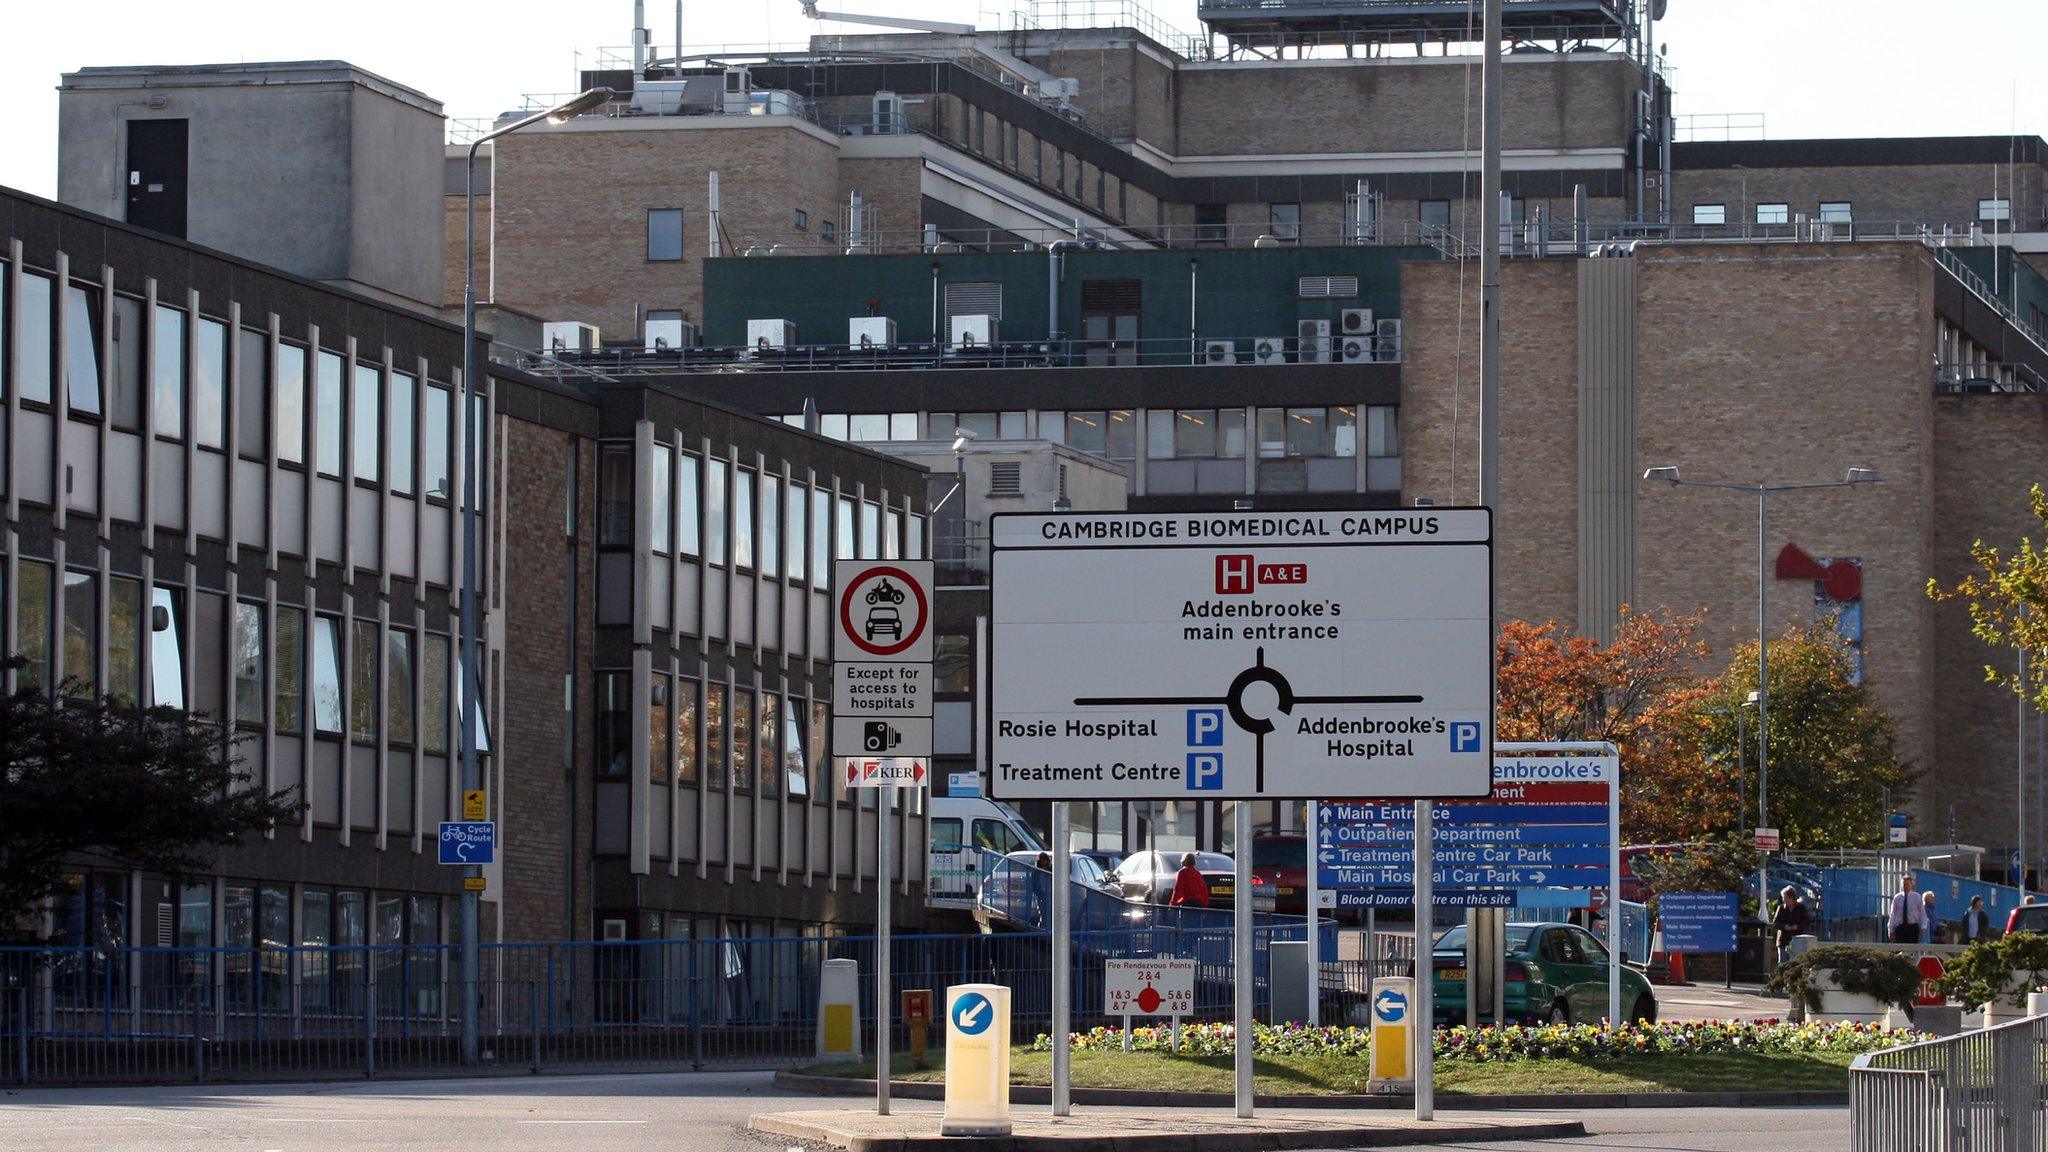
1979 1091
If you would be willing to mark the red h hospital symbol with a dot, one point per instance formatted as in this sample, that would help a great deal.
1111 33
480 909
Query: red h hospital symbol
1233 575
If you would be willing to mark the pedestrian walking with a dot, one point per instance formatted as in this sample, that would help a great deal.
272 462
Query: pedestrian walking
1909 915
1794 919
1189 889
1976 921
1930 932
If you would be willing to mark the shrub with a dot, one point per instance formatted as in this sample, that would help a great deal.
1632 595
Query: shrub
1890 977
1985 971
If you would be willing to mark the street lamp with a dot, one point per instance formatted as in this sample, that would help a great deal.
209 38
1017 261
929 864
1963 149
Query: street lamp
471 680
1762 695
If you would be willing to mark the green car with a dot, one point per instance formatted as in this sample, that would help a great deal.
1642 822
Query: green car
1555 973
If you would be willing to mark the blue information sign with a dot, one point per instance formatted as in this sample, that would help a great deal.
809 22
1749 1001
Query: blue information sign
1402 836
468 842
1697 921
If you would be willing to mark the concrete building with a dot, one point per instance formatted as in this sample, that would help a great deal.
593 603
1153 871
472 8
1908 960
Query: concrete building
314 167
234 490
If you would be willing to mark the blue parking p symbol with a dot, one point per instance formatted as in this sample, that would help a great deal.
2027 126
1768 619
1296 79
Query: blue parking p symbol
1205 772
1205 727
1464 736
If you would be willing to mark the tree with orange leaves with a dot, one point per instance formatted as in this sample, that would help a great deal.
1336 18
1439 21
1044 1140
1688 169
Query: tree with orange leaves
1643 692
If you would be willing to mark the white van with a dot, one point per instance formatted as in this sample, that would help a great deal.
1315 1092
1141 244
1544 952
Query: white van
969 834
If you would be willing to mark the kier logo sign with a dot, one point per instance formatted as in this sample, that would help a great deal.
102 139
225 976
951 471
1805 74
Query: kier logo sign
1239 575
889 772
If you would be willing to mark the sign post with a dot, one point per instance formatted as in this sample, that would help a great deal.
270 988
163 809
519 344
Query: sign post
1310 900
882 726
1425 963
1062 965
1217 656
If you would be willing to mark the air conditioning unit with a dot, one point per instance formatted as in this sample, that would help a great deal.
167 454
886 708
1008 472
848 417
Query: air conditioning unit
1312 342
1355 349
1269 350
568 336
767 335
1357 322
870 332
738 94
670 335
964 332
1219 351
1389 340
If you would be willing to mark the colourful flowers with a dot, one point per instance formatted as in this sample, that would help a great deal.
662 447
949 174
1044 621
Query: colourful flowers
1492 1044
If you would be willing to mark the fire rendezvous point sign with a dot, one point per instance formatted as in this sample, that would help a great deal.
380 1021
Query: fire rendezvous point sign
1237 655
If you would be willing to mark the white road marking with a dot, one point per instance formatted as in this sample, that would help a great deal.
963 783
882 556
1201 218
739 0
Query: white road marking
580 1121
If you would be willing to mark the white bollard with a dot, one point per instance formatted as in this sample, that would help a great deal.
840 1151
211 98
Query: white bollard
977 1061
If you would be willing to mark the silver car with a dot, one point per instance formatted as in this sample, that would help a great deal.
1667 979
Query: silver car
1148 877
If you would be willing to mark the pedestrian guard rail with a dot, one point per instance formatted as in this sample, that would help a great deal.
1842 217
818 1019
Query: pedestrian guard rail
1974 1092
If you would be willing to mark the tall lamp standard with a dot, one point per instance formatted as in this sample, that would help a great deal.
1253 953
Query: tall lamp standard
1763 494
468 664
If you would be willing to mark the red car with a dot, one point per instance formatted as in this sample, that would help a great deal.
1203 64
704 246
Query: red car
1281 860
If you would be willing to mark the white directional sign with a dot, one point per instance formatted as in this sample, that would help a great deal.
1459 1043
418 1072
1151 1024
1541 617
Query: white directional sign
1163 987
1153 656
882 671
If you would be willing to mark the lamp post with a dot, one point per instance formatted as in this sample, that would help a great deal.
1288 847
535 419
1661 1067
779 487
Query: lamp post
470 680
1763 494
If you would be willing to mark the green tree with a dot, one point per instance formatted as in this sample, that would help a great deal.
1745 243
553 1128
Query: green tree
2008 601
1833 753
94 781
1719 864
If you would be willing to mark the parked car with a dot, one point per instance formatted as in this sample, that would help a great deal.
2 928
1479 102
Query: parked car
1553 972
1109 858
2027 918
1148 877
1282 862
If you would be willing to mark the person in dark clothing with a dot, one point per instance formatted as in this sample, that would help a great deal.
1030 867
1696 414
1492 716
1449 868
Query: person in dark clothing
1794 919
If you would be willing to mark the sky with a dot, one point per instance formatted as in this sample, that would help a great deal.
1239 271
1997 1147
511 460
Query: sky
1812 67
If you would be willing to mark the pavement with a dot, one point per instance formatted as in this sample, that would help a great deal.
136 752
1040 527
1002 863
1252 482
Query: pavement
1713 1002
693 1112
1158 1130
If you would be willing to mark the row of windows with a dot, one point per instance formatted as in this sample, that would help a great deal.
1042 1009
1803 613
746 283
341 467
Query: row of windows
1197 433
389 669
736 739
1830 212
188 394
1008 150
92 909
710 512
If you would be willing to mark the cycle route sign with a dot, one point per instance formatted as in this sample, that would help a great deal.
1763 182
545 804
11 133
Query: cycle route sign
1238 655
882 613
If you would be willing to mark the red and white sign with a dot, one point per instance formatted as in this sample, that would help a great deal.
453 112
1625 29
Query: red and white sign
1931 969
886 772
1239 575
885 611
1767 840
1161 987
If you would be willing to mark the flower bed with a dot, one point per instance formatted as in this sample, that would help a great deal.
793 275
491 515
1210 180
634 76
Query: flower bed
1516 1042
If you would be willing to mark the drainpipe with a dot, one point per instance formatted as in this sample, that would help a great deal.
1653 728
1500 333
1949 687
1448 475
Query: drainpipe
1194 339
936 334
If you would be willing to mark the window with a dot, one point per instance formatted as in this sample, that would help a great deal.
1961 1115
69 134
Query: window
793 533
166 647
832 425
291 404
81 634
795 763
129 386
821 762
714 737
434 461
1159 434
1434 213
367 425
434 694
665 234
657 727
1305 431
686 731
1212 224
1109 321
398 695
821 538
124 639
892 535
1774 213
1194 432
327 675
913 545
870 530
1088 431
327 413
663 501
167 374
288 669
1710 213
248 641
953 662
742 519
1123 434
1383 431
82 349
615 482
802 220
2000 209
362 705
1343 442
867 427
1836 212
847 545
402 388
768 752
688 537
742 739
1272 433
1284 221
771 526
38 365
210 384
252 398
714 511
902 425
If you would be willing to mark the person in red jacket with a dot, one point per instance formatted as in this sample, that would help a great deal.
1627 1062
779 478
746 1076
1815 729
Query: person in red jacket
1188 885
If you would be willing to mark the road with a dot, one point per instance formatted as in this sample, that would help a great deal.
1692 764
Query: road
693 1112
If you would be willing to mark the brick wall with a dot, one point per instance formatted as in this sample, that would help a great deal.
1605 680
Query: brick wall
1987 451
454 249
1929 192
537 796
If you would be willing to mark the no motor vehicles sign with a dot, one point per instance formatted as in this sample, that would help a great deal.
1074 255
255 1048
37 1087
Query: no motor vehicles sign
1151 656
